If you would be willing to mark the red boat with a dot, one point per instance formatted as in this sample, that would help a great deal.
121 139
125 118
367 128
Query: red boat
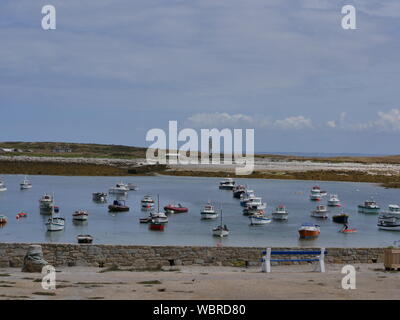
175 209
157 226
21 215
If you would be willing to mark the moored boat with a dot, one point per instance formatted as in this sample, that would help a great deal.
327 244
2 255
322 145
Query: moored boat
55 222
256 201
158 226
172 208
132 187
250 210
320 212
315 195
80 215
84 238
259 219
3 219
280 213
237 191
246 197
340 218
46 204
120 188
25 184
118 206
369 207
389 222
21 215
334 201
309 231
99 196
147 202
208 212
2 186
221 230
227 184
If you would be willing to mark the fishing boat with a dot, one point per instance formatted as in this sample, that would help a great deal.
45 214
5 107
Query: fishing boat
145 220
256 201
259 219
2 186
320 212
46 204
132 187
315 195
340 218
250 210
221 230
80 215
55 222
118 206
147 202
334 201
25 184
120 188
99 196
84 238
309 231
318 189
387 222
3 219
343 230
227 184
237 191
280 213
158 226
209 212
172 208
246 196
369 207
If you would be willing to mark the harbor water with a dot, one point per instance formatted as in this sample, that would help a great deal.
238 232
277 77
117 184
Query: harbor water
74 193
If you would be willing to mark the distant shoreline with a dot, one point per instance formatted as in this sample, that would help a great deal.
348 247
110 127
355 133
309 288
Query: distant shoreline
388 175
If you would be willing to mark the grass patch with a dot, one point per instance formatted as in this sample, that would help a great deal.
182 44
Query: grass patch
4 275
150 282
114 267
13 297
161 290
44 293
95 298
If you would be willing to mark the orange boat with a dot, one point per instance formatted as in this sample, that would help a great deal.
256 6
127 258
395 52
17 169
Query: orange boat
309 231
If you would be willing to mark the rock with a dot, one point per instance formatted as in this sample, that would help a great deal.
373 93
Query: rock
33 260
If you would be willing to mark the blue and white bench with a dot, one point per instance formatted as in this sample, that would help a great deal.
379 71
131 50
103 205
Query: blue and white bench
319 256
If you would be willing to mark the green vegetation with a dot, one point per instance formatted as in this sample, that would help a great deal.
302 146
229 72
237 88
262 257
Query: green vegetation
44 293
150 282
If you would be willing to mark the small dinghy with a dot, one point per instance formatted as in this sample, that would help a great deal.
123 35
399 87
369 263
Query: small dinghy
99 197
309 231
3 219
348 231
340 218
259 220
84 238
21 215
25 184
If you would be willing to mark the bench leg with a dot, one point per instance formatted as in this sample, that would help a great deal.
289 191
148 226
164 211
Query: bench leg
321 263
266 264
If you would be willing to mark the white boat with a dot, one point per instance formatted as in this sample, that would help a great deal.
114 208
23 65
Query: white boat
334 201
246 196
227 184
209 212
221 230
318 189
80 215
320 212
55 222
256 201
391 223
147 202
315 195
259 219
2 186
280 213
158 217
46 204
25 184
250 210
120 188
99 196
393 211
132 187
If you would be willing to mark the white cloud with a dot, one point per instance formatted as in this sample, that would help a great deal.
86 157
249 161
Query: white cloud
388 121
295 123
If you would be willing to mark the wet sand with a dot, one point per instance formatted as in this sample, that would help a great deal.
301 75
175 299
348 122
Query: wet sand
209 283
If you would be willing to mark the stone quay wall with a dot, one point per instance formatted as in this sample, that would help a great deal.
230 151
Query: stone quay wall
156 257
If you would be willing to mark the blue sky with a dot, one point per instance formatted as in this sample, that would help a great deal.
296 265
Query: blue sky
115 69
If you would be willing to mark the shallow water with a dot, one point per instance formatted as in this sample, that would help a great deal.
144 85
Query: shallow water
73 193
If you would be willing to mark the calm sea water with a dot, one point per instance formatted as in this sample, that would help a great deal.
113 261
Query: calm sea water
73 193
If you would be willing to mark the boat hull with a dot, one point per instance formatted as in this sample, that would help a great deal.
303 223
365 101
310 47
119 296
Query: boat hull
114 208
279 216
362 209
309 234
256 221
220 233
340 218
208 215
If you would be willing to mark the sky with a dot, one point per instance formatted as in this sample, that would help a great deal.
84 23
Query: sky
112 70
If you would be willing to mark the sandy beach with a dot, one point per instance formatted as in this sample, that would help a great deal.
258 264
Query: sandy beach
211 283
